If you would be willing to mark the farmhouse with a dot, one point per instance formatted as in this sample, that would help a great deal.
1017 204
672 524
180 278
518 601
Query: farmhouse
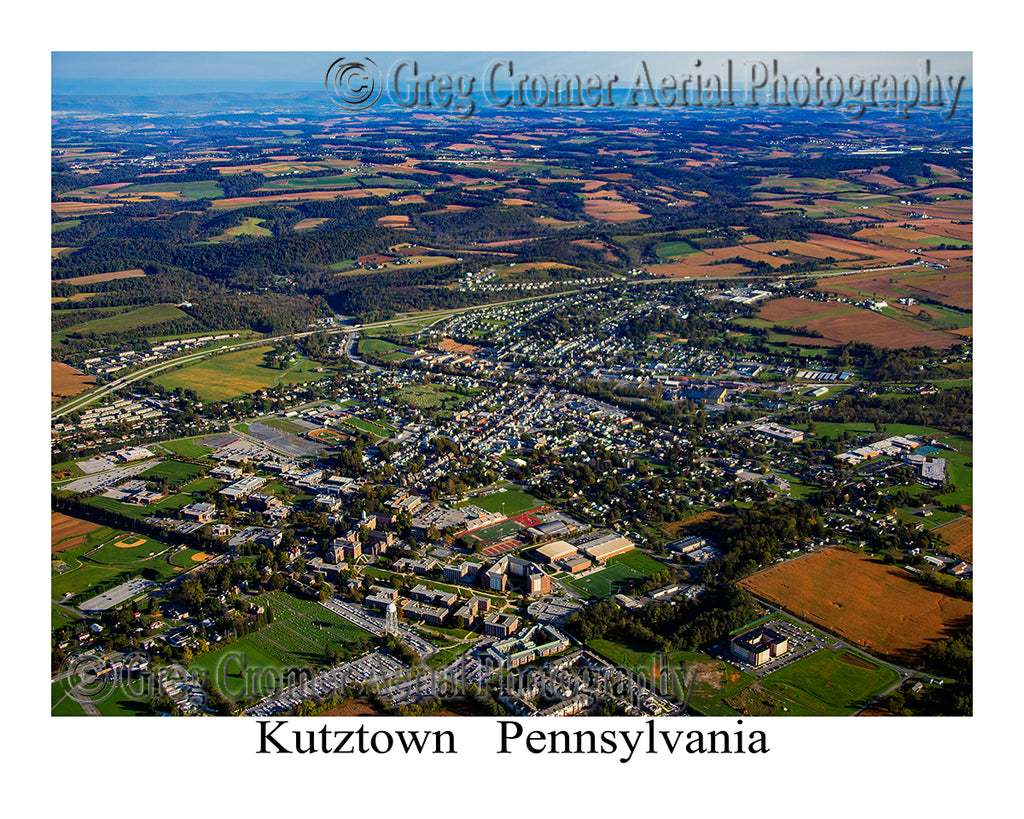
759 645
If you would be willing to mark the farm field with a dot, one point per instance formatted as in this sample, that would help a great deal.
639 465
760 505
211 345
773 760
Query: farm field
958 537
66 381
155 314
173 190
67 532
842 324
878 607
250 226
234 374
95 278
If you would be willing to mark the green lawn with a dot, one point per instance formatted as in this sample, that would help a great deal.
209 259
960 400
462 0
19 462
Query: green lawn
130 320
175 472
668 250
606 582
300 636
231 375
186 190
497 531
188 447
112 554
638 561
512 501
830 683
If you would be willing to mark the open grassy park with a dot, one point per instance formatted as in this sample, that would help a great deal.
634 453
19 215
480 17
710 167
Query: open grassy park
302 635
231 375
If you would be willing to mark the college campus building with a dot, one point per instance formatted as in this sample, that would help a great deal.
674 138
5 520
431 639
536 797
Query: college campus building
759 646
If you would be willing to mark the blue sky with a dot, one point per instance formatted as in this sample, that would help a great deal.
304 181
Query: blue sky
248 71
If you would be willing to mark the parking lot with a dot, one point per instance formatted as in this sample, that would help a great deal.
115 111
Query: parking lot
367 673
802 642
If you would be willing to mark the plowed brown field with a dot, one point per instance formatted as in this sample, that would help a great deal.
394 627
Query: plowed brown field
862 600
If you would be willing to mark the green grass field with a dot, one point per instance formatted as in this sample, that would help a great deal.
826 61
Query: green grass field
512 501
154 314
308 183
639 562
378 428
112 554
57 227
235 374
716 680
498 531
186 190
669 250
606 582
251 226
829 683
298 637
175 472
187 447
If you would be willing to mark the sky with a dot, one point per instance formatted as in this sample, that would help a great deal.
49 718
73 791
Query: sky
183 72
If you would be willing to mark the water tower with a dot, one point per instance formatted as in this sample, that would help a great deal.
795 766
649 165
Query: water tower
391 619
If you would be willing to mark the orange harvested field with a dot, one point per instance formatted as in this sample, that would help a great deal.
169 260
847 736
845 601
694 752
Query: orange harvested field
245 201
66 381
780 310
882 331
879 179
516 201
958 537
673 529
611 210
64 526
92 278
878 607
862 248
306 224
815 250
944 192
695 270
82 207
952 287
395 220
